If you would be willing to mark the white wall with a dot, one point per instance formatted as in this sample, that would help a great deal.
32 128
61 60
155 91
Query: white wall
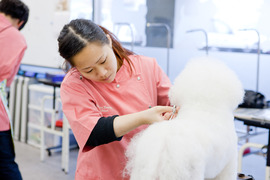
190 14
41 32
44 25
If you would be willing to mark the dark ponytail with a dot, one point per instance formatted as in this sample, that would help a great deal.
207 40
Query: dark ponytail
80 32
120 52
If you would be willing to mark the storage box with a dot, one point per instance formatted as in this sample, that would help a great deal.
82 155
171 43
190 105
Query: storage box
34 116
38 91
33 139
36 94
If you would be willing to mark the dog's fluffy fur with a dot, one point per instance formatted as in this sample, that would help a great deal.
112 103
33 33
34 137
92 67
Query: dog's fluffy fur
201 142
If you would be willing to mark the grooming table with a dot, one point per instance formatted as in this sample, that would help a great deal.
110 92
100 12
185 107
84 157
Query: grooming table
257 118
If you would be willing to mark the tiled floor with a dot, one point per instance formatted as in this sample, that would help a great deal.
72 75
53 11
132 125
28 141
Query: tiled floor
32 168
28 159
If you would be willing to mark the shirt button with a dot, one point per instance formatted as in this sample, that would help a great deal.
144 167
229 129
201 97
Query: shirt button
117 85
139 78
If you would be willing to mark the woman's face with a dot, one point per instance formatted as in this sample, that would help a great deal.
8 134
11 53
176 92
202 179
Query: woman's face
97 62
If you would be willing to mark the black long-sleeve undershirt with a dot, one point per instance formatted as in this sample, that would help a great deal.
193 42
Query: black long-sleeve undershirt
103 132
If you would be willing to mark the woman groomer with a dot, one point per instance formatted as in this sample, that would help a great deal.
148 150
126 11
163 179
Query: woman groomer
106 97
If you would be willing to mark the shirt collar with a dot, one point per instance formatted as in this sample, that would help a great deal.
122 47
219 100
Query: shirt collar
4 22
124 72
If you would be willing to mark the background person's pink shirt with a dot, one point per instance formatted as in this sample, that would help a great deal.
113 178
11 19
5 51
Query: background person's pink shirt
12 48
84 102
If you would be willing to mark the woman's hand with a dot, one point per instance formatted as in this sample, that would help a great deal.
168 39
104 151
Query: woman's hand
157 114
171 115
126 123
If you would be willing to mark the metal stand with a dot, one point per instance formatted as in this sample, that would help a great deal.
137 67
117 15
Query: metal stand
131 31
168 41
258 55
206 37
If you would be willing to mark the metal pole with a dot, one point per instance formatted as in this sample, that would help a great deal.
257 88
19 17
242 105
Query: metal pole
93 10
258 55
97 7
131 31
168 41
206 37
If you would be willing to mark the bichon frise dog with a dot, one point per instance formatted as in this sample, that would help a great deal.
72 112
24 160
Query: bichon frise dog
201 142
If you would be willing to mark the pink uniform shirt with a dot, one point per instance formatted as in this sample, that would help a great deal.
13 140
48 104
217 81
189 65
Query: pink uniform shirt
85 101
12 48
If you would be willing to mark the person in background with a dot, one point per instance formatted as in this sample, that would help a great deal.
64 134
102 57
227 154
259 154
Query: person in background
108 96
13 16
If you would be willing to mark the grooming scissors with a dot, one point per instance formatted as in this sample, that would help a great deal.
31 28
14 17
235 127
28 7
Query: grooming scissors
173 111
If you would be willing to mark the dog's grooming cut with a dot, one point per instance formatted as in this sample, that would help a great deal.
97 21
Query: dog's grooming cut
201 142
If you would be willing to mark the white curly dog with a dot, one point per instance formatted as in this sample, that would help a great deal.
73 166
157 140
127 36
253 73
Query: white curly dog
201 142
